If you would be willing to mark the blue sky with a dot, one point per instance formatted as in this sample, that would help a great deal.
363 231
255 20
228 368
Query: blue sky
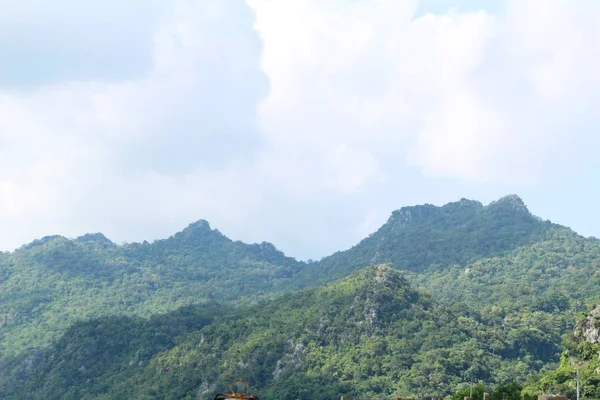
303 123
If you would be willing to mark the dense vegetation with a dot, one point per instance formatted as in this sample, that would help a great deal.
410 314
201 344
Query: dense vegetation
429 238
94 355
504 288
581 352
51 283
369 335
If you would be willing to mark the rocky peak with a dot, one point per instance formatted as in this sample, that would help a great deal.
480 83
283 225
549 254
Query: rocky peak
196 230
414 215
196 234
385 275
95 237
376 295
200 225
372 280
407 216
376 280
511 201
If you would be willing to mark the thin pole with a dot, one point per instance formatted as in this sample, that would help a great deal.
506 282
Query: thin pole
471 395
578 384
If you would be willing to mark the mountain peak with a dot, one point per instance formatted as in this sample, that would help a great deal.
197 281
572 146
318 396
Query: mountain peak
44 241
379 275
414 215
197 233
512 200
95 237
371 296
374 282
197 229
424 237
200 225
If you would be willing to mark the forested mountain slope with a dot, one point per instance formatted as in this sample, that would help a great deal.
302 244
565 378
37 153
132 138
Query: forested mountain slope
581 352
557 274
427 238
369 335
462 251
51 283
527 277
95 354
499 259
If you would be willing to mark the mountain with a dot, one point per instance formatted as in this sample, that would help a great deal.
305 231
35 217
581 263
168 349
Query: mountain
425 238
369 335
51 283
498 259
504 287
462 247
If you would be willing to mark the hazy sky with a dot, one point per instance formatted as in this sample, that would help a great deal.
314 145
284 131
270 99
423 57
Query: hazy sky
299 122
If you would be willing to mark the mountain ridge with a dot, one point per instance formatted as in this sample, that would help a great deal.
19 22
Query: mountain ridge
512 282
203 227
427 236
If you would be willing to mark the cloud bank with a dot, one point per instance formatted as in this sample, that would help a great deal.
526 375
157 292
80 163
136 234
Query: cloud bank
301 123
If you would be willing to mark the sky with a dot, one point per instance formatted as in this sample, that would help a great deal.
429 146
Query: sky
304 123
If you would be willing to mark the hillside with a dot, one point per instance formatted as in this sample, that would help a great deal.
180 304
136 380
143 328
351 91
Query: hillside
557 274
53 282
581 352
428 238
491 255
497 269
94 354
498 259
368 335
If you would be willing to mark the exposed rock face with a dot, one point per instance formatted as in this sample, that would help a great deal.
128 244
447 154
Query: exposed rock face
293 359
589 328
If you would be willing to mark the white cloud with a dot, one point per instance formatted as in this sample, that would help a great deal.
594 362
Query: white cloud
474 97
511 114
367 76
103 156
472 91
294 126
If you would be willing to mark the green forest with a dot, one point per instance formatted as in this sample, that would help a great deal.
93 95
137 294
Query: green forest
435 301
